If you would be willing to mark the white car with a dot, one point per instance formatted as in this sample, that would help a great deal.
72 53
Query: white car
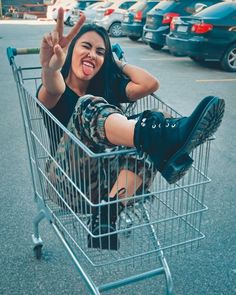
90 11
67 5
111 18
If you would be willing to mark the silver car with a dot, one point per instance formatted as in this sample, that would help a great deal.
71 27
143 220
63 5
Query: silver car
111 18
89 9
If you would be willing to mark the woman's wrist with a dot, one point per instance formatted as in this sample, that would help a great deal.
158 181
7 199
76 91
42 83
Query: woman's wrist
50 70
122 65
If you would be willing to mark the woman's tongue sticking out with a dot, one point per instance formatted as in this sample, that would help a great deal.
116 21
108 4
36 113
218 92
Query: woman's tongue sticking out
88 68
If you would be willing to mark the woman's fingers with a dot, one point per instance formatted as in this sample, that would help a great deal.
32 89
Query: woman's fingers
76 28
58 32
60 22
60 54
47 39
55 37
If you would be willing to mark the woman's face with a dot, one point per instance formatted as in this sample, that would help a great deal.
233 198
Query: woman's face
88 56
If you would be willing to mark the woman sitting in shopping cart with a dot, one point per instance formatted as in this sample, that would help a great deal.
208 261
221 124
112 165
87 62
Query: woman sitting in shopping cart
83 83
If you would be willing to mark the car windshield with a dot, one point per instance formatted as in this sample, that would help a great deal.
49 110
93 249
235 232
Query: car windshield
221 10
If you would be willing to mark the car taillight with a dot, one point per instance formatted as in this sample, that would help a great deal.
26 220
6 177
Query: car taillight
167 18
175 19
201 28
108 11
138 16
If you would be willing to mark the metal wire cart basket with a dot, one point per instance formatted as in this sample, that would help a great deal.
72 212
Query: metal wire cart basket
158 221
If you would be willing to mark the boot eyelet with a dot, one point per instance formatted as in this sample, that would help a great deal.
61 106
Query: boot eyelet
173 125
159 125
143 124
167 125
144 119
154 125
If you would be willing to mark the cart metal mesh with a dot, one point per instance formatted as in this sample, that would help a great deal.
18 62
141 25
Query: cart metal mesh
163 219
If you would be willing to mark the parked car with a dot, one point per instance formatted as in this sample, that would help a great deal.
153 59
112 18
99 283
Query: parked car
208 35
83 4
159 18
112 17
90 11
135 18
69 6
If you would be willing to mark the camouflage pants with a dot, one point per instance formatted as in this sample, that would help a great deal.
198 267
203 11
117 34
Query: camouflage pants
77 176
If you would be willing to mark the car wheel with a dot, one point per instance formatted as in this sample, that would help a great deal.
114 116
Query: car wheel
228 61
134 38
116 30
156 46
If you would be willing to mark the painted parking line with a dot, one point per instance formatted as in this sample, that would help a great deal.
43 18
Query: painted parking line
215 80
165 58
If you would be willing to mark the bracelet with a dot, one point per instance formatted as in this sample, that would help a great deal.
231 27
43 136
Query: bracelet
122 65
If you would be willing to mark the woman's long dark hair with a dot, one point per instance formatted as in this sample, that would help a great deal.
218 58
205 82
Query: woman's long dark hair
100 84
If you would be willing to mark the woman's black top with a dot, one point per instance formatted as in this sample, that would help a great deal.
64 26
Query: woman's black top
64 109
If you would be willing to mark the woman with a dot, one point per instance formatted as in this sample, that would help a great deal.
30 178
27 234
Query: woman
82 63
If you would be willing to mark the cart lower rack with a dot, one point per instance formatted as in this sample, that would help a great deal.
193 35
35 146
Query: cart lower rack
159 220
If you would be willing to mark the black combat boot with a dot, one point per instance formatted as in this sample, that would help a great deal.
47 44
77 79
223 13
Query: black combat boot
169 141
103 221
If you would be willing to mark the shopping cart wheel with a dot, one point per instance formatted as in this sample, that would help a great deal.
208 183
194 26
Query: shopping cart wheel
38 251
38 244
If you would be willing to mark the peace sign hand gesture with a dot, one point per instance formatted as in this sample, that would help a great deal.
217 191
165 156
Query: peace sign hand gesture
54 45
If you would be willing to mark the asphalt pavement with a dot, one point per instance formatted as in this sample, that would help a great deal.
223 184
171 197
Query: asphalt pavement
209 270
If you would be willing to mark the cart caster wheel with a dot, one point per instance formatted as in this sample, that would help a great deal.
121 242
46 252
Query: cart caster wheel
38 251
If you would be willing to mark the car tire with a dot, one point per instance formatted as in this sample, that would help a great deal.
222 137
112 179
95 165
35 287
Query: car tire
115 30
134 38
228 61
156 46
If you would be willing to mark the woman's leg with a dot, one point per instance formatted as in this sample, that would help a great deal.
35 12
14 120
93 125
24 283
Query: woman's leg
127 183
168 141
119 130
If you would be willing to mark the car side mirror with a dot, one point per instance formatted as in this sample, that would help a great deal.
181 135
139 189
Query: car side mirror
199 7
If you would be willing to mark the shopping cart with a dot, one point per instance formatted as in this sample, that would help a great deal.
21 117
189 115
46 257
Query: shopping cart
156 222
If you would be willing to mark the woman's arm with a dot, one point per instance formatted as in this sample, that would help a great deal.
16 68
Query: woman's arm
53 86
142 83
53 53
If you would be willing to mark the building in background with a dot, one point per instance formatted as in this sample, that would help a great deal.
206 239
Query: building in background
34 7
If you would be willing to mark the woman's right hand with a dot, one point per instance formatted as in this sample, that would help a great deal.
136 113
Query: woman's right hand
54 45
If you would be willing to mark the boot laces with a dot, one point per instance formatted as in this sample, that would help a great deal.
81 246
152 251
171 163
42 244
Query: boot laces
165 124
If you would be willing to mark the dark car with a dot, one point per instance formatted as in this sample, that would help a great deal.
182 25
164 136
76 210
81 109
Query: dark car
159 18
135 19
208 35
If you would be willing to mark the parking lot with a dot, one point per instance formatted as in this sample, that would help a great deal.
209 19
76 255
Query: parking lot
209 270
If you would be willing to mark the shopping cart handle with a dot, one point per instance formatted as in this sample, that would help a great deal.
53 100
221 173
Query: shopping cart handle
118 51
11 52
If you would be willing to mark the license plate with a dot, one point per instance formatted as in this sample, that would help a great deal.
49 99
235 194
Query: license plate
148 35
182 29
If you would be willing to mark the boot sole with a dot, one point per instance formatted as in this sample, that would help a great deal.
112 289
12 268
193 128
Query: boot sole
208 123
109 242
